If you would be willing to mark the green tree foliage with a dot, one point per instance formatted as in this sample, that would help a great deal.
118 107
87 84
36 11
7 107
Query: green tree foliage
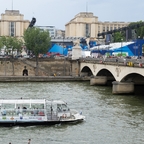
37 41
17 45
11 44
1 44
118 37
138 27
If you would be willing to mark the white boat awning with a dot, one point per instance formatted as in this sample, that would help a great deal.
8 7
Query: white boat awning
22 101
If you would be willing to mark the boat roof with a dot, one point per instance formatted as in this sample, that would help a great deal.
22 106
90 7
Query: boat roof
59 102
29 101
22 101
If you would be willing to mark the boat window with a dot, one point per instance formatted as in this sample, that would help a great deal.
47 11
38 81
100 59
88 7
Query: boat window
7 109
59 107
8 106
23 106
39 106
48 107
64 107
54 107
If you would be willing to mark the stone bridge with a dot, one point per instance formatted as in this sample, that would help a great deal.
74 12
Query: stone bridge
123 75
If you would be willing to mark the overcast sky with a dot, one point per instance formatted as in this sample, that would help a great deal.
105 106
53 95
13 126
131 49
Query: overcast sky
60 12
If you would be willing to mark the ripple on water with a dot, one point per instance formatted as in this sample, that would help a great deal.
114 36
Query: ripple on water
109 118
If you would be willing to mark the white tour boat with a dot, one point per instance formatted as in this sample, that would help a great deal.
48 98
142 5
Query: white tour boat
27 112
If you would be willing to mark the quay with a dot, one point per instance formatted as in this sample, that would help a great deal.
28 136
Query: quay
42 78
124 75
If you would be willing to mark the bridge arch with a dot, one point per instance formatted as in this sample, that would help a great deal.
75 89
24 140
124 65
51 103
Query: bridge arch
104 72
133 77
108 74
86 71
124 78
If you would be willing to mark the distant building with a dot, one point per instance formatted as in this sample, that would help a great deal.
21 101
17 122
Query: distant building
85 24
60 33
12 23
50 29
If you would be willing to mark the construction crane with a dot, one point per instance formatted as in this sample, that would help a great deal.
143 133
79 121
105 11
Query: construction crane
128 30
32 23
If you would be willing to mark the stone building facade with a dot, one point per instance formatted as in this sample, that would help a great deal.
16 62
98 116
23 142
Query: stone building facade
85 24
12 23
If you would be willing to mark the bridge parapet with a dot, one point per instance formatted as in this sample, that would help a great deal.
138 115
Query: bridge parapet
114 61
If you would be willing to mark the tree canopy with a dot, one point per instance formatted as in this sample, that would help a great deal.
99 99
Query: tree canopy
11 44
118 37
37 41
138 27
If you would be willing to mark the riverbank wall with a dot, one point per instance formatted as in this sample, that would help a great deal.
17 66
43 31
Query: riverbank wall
47 67
42 79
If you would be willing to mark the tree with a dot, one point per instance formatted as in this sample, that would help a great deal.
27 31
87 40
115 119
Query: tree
17 45
138 27
1 44
118 37
37 41
11 44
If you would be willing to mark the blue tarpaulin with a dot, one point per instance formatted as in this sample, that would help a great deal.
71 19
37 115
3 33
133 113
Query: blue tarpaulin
58 49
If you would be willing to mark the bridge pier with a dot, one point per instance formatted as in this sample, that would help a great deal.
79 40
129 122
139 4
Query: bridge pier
122 87
98 80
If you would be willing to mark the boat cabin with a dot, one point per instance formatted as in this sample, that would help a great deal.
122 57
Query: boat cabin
22 106
34 108
36 112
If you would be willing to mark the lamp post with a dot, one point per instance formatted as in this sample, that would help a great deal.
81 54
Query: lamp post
64 68
121 46
63 35
138 46
108 48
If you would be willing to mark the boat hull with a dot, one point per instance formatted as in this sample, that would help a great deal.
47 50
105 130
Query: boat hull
30 123
35 123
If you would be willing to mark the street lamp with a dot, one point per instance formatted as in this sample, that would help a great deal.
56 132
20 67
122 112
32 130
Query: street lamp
138 46
63 35
121 46
64 68
108 48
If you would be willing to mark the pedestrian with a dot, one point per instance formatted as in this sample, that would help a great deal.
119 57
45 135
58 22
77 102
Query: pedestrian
29 141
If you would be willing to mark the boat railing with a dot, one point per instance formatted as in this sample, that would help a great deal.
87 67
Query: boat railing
52 115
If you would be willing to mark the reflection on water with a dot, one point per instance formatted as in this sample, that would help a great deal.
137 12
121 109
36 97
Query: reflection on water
110 119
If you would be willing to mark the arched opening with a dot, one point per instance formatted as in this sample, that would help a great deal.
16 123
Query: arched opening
138 81
108 74
86 72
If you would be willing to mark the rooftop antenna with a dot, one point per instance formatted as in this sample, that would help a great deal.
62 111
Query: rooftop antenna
86 7
86 13
12 5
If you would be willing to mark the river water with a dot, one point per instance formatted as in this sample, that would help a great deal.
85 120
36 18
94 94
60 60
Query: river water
110 119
